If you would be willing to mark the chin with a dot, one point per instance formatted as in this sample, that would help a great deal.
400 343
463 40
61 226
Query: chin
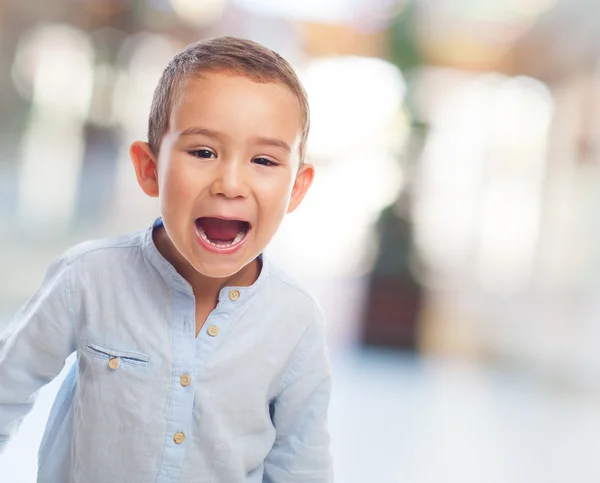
219 269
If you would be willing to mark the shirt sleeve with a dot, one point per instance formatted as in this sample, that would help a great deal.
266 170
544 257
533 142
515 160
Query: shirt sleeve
299 413
34 348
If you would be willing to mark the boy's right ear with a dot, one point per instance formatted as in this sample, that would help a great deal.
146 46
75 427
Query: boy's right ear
145 166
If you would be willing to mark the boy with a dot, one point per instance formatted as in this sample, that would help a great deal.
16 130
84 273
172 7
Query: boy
197 360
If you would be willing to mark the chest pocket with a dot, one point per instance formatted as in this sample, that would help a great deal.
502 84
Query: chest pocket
114 357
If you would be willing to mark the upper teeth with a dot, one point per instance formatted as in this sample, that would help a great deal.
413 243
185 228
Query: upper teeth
236 240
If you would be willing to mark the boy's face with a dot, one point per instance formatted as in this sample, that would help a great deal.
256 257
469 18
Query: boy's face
228 169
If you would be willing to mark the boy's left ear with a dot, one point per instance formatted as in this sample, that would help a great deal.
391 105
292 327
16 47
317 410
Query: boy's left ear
303 181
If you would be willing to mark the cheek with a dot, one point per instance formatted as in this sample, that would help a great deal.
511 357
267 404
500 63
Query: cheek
274 204
176 184
277 188
176 191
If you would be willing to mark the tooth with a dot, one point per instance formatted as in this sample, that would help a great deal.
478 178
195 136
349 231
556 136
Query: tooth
238 237
202 234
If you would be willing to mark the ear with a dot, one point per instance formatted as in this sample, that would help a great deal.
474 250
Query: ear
303 181
145 166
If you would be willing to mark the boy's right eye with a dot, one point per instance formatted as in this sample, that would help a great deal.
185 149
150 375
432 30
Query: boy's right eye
203 153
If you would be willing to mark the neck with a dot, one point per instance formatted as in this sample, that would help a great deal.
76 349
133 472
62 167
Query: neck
206 289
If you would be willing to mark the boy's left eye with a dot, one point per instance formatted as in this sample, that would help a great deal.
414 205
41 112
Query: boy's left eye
264 162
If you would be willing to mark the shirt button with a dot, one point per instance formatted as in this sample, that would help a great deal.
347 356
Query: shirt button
234 295
179 438
213 331
185 380
113 362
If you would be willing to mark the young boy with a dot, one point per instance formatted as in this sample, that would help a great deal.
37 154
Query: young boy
197 360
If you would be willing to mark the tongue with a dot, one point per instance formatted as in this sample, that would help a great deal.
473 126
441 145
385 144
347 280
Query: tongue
222 230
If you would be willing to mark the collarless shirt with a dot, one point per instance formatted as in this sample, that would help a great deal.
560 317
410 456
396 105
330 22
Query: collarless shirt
148 401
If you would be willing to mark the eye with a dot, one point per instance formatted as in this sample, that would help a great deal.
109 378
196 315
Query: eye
203 153
264 162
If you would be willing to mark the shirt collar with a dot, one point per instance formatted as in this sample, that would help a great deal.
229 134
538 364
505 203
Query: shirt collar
173 277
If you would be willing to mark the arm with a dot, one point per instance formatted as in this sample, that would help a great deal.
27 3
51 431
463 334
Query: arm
33 352
301 450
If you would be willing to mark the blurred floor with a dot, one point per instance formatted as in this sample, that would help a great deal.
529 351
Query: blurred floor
395 419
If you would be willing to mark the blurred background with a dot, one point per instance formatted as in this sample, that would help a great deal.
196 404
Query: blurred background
451 235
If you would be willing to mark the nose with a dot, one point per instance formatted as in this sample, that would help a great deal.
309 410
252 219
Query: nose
229 180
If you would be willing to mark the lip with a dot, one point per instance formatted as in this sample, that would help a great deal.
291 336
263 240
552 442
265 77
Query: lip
226 250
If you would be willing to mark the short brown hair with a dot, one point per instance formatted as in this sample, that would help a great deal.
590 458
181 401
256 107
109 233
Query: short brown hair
230 54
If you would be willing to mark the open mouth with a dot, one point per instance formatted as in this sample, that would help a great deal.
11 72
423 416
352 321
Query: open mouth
222 234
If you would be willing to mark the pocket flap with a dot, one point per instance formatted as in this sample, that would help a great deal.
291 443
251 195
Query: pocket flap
105 352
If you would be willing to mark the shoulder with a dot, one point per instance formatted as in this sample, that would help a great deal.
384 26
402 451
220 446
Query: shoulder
293 298
101 250
93 261
285 285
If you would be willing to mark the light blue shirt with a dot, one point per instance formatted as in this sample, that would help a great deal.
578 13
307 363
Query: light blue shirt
147 400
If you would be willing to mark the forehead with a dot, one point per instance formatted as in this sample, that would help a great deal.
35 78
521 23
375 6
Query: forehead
228 102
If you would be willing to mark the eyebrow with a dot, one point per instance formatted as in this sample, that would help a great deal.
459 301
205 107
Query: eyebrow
265 141
193 131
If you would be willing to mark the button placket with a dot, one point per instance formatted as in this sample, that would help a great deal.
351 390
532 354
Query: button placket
182 398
